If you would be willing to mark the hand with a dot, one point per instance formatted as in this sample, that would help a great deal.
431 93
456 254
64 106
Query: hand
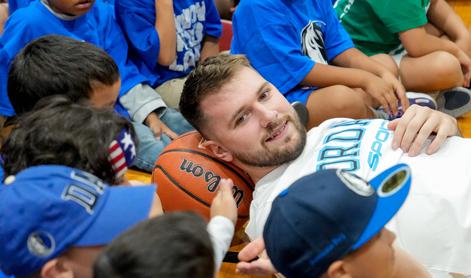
158 127
260 266
397 87
382 92
417 124
465 67
224 204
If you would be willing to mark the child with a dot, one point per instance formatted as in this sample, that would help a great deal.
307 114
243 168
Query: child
301 48
84 72
56 220
409 31
174 245
331 224
168 38
61 132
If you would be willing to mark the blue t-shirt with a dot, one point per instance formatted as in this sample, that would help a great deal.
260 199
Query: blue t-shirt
98 27
194 20
284 39
14 5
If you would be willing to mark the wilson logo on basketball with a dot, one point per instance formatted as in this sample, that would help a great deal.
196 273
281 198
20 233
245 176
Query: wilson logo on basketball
212 179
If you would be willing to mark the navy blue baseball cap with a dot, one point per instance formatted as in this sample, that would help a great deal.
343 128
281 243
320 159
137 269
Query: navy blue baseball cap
45 210
326 215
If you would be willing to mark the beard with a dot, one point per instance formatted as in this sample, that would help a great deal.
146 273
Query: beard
266 157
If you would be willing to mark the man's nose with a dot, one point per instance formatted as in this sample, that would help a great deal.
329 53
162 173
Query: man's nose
267 116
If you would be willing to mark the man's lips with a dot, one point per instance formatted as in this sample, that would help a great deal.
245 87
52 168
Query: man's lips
277 132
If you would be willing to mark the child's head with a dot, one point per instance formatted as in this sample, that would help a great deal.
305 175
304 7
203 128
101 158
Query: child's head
58 65
71 7
173 245
65 133
55 220
331 223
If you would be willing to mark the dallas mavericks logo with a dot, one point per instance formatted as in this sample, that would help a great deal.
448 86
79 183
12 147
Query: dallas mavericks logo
355 183
312 42
41 244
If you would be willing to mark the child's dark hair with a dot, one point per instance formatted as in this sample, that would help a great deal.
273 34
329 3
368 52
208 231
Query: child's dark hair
174 245
61 132
57 65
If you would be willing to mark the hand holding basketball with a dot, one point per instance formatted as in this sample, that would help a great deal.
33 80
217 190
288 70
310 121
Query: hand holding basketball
224 204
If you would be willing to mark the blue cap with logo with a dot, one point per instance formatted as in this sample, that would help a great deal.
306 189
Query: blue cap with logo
326 215
45 210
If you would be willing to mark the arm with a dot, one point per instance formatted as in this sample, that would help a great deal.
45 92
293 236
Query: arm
429 43
210 47
441 15
165 27
223 218
326 75
353 58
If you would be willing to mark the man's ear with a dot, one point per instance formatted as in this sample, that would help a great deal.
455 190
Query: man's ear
337 270
56 268
218 151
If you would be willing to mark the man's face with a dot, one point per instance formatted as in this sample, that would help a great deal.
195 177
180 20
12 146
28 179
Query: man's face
104 96
374 259
71 7
250 119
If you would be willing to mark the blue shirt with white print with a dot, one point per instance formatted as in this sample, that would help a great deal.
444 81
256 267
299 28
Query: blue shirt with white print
194 19
284 39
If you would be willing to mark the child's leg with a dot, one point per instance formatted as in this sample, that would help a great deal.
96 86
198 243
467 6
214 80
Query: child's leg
438 70
148 147
388 62
175 121
334 102
171 91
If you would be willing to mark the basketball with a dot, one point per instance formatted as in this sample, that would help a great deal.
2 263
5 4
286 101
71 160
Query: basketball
188 176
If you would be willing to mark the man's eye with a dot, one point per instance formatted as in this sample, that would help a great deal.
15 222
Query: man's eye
265 94
241 119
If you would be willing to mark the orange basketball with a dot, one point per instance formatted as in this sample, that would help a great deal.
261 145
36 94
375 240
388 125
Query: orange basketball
188 177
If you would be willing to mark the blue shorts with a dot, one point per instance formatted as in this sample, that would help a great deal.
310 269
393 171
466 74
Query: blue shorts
300 94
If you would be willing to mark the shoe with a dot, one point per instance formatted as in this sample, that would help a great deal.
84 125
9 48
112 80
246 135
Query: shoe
422 100
455 101
414 98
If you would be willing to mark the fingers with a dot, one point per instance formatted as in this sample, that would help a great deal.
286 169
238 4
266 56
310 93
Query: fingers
169 132
422 135
399 127
252 250
401 94
156 129
390 97
258 267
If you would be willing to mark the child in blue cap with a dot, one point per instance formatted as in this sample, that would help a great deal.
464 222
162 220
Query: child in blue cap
331 224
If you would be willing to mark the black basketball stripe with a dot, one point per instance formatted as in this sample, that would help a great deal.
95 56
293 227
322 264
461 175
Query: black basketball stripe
176 183
249 185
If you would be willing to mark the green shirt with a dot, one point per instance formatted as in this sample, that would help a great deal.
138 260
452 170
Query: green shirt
374 25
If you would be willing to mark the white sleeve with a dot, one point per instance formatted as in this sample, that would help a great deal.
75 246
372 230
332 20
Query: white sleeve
221 231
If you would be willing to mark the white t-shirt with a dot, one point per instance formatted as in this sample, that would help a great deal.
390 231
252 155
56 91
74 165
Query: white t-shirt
434 225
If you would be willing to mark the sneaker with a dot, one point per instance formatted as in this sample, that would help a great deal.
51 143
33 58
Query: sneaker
422 100
414 98
455 101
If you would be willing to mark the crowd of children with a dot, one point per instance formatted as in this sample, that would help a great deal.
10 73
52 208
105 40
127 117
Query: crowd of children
91 88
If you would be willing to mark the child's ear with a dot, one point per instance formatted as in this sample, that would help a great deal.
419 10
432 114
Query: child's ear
218 151
337 270
56 268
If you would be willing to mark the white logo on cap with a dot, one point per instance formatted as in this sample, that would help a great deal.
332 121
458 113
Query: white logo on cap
41 244
356 184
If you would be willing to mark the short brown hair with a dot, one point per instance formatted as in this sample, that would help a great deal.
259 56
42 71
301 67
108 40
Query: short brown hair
206 79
